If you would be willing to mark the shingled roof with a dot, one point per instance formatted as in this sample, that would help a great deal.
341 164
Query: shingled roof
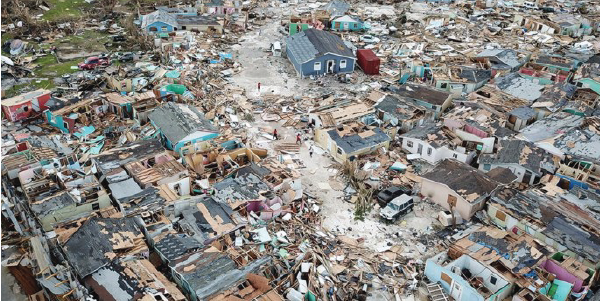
312 43
465 180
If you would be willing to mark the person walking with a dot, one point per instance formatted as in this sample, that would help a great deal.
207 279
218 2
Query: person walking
258 87
275 134
298 139
310 151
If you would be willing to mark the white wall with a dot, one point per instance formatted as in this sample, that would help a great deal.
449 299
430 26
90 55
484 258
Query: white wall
438 193
184 186
436 155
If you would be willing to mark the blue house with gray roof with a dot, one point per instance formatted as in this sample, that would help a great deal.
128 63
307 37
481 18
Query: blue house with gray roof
159 21
314 53
181 125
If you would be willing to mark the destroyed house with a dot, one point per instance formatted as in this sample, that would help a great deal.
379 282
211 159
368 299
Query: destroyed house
527 161
160 170
571 24
561 221
554 98
315 53
466 279
424 96
173 246
458 80
204 217
204 275
457 186
544 75
181 125
347 142
588 75
26 158
402 113
336 8
83 196
329 117
222 7
433 143
502 61
111 162
531 267
25 105
132 279
242 188
69 119
550 127
99 241
477 126
578 150
519 87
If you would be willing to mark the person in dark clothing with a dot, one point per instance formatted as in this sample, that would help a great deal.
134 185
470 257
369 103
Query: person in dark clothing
275 134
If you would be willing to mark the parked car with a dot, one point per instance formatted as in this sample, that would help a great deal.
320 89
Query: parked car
397 207
369 39
119 38
390 193
92 62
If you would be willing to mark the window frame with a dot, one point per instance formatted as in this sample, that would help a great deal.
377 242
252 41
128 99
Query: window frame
343 63
409 143
315 66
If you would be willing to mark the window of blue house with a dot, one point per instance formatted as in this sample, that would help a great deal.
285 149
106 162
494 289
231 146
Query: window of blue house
343 64
355 25
317 66
164 28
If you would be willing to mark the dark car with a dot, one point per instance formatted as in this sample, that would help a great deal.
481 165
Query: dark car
126 57
119 38
92 62
390 193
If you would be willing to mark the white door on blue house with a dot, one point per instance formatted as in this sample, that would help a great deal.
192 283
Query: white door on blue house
346 26
456 290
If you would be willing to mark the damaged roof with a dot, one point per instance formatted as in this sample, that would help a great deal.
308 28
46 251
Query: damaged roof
583 243
210 272
241 188
49 205
506 58
96 243
466 181
422 93
177 121
518 152
133 279
353 142
518 86
173 245
132 152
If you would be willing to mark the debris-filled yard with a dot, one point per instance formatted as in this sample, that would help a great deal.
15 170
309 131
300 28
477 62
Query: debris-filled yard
289 150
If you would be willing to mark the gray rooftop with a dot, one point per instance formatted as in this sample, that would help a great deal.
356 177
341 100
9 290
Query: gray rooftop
312 43
422 93
524 113
354 142
518 152
177 121
504 58
244 187
337 8
519 87
173 246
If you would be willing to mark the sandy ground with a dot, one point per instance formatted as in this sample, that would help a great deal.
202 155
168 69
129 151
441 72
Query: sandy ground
277 76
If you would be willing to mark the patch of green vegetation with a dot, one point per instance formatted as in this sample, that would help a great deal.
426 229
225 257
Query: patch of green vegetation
33 85
64 10
89 40
49 67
